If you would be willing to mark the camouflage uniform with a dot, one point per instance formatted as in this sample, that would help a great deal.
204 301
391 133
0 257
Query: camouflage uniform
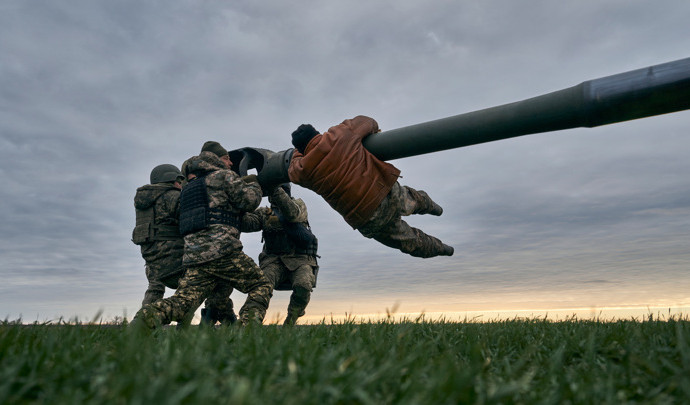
387 227
285 265
161 250
163 247
217 277
213 256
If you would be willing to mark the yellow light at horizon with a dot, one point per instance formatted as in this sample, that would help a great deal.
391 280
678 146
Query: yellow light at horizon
602 314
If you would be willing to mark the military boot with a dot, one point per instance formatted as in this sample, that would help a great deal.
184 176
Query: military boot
146 319
228 319
290 320
424 203
299 299
447 250
292 317
435 209
209 316
425 246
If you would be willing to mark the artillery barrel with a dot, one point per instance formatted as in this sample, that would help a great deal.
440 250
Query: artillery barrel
655 90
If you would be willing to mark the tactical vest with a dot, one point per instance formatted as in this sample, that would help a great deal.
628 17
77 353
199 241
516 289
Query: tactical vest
290 238
146 230
195 213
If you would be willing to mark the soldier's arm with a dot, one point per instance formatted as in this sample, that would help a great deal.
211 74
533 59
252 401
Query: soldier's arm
362 126
295 167
254 221
293 210
242 195
175 204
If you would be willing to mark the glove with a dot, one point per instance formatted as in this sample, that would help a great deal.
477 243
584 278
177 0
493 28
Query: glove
268 191
272 222
277 191
274 194
250 178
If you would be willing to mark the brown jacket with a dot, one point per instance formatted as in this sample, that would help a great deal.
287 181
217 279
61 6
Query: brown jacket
336 166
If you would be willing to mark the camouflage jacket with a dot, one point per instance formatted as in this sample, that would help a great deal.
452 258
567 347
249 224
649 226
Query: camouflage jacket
166 207
227 191
265 218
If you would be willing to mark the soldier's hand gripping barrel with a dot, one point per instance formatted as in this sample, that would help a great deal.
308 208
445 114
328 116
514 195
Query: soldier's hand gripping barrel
641 93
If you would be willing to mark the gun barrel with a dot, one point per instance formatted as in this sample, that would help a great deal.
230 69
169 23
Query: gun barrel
640 93
658 89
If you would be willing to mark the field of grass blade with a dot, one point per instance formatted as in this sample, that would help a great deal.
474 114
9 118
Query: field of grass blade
415 362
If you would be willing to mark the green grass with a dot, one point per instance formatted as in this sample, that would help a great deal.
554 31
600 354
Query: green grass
515 361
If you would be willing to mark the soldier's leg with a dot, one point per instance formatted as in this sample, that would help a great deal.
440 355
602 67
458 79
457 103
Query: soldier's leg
399 235
219 306
156 288
194 287
275 272
302 283
248 278
417 202
172 281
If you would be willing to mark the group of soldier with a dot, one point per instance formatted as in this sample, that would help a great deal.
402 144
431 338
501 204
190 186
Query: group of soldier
189 221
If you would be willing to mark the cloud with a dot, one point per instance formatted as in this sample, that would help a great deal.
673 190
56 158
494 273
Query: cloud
95 94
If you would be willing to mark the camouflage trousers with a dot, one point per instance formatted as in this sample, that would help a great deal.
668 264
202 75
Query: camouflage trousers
387 227
219 300
159 276
302 280
156 288
215 278
163 267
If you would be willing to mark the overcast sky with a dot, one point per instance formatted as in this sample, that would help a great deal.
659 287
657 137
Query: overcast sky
94 94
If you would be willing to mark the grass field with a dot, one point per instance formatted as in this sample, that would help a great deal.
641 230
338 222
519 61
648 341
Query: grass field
415 362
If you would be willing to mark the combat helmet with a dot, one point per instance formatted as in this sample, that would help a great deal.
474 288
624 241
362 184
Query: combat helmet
165 173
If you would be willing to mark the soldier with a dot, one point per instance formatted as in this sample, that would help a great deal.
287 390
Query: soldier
362 188
157 208
211 205
288 258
